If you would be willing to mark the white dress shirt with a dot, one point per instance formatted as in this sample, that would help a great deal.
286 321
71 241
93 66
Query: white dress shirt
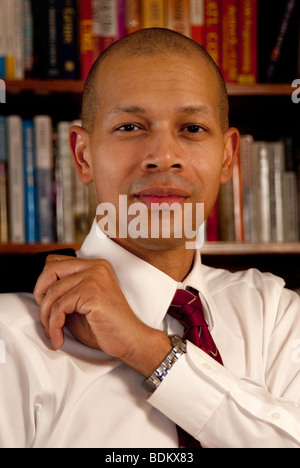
80 397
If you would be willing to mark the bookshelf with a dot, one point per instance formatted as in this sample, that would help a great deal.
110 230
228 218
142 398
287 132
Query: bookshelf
263 110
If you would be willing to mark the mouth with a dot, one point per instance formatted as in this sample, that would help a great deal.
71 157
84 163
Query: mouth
159 195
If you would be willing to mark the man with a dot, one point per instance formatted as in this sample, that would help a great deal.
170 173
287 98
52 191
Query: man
155 130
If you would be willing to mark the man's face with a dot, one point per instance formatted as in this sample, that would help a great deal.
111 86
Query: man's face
158 136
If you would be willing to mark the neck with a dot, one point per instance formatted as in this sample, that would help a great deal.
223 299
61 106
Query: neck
175 262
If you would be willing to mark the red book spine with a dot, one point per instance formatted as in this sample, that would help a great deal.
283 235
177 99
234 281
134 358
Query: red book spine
212 224
86 37
213 29
229 40
247 41
197 20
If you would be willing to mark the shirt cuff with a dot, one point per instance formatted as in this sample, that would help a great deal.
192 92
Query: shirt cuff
179 396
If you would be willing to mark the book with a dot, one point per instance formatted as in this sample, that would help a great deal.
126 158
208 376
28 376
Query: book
52 39
226 212
105 24
247 188
16 179
28 38
9 10
212 224
133 16
248 26
197 21
213 30
238 199
3 183
3 40
121 18
30 187
261 190
291 232
86 37
230 64
68 39
178 16
277 167
153 13
44 174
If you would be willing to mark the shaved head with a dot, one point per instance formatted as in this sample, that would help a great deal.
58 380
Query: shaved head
151 42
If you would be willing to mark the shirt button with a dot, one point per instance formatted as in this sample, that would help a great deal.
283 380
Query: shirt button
275 415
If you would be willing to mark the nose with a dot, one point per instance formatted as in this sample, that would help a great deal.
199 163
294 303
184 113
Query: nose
162 153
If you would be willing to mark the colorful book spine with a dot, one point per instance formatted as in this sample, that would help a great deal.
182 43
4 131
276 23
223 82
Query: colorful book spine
3 41
16 179
229 14
44 174
121 18
86 37
10 34
3 183
105 24
247 16
153 13
197 21
213 30
30 188
178 16
68 39
28 38
133 16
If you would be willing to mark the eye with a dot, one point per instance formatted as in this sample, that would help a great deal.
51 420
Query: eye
193 128
128 128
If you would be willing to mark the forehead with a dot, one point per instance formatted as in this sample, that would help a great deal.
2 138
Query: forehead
156 79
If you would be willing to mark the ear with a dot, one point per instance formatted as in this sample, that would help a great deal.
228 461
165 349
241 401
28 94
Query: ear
231 148
80 146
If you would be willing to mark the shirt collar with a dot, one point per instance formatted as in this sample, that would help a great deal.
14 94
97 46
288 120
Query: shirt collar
148 290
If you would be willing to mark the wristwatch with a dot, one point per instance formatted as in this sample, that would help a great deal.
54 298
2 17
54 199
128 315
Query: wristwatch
178 349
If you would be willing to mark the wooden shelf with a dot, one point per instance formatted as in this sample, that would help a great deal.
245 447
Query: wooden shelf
209 248
76 87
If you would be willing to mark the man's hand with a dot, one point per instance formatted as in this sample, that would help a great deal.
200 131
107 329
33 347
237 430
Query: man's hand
85 295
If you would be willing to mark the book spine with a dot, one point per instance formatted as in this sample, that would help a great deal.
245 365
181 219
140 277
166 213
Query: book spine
28 38
105 24
197 20
133 16
121 18
53 62
16 179
276 52
238 199
44 168
213 30
86 37
178 16
10 39
153 13
212 224
247 16
3 41
246 168
229 40
3 183
290 207
261 176
226 212
30 199
68 176
276 161
19 40
68 39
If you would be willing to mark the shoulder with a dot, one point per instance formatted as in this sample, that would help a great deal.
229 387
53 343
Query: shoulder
220 279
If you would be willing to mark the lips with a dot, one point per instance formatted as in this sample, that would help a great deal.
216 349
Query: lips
168 195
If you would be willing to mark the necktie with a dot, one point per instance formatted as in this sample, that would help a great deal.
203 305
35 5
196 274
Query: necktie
187 308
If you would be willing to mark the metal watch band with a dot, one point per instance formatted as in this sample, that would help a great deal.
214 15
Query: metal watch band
178 349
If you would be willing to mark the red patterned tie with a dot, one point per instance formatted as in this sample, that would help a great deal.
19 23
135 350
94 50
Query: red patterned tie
187 308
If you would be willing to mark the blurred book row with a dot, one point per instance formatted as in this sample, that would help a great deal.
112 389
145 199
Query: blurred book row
261 203
41 197
250 40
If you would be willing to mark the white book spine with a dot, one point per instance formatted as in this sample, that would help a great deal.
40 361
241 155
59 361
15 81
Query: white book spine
16 179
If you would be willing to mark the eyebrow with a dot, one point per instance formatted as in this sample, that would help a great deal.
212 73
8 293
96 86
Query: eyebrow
190 109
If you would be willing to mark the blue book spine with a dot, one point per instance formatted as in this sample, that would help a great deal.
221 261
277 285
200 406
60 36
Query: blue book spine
2 66
30 199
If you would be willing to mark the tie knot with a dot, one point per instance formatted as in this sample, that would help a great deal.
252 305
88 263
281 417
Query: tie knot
187 308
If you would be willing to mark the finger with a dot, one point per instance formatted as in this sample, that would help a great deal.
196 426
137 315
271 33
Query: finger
63 307
56 269
58 258
54 292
